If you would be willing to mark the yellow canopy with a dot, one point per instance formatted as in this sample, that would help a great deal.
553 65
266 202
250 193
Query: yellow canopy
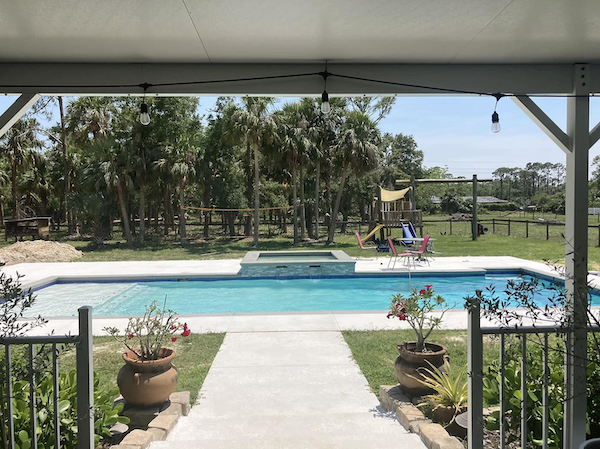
393 195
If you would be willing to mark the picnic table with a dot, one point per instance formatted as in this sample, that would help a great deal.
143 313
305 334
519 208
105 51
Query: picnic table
34 227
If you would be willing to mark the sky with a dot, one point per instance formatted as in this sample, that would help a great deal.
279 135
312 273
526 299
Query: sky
455 132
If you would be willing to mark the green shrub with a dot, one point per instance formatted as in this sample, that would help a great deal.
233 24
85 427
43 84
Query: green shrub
535 372
105 415
556 394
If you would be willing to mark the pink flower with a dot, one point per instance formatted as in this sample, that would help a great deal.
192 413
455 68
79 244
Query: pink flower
131 335
422 292
173 339
428 287
186 332
185 326
173 327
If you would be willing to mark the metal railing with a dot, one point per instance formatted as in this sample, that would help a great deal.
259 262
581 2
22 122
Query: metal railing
477 422
85 382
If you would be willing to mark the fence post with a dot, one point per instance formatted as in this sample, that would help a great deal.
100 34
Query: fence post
526 229
85 381
509 227
493 225
451 227
547 231
475 372
599 234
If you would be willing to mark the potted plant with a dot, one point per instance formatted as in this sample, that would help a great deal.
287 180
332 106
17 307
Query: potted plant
450 398
416 310
148 376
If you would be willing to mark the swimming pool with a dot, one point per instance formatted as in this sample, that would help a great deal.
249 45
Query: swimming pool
257 295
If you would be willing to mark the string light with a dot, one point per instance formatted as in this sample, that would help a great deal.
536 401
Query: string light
144 116
495 116
325 106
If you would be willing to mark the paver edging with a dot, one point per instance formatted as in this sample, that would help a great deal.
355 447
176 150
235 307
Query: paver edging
164 419
434 436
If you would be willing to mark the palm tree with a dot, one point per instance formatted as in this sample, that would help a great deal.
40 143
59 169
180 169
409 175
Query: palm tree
113 168
294 140
18 143
183 168
253 124
356 151
322 131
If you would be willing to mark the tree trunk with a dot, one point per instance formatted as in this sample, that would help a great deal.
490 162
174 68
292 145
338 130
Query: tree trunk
63 138
283 218
344 219
16 211
295 204
256 195
328 200
317 180
182 229
231 221
142 215
166 212
249 188
336 208
302 208
124 214
206 203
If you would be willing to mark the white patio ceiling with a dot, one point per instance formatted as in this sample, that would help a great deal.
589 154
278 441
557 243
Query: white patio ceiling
276 31
425 42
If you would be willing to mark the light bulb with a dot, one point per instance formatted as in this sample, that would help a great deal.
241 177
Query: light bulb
325 106
495 122
144 116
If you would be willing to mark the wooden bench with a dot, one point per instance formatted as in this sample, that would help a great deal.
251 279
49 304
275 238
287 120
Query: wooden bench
34 227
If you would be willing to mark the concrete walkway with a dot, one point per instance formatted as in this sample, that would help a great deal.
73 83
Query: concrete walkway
287 390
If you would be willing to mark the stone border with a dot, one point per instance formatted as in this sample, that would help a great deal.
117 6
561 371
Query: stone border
153 423
393 399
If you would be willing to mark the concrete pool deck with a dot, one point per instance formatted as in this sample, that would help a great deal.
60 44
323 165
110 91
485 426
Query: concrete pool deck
39 274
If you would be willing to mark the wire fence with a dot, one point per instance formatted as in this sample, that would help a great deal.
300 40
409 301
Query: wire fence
550 230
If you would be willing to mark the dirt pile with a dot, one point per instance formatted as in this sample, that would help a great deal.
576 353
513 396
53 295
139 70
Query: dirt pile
38 251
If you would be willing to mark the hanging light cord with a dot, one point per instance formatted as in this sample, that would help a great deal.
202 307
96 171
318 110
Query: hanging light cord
324 74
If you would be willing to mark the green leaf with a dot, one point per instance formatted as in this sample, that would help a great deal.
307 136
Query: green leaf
23 436
43 415
63 406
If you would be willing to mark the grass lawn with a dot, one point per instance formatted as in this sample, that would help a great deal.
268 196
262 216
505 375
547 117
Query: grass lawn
447 245
194 355
449 242
375 351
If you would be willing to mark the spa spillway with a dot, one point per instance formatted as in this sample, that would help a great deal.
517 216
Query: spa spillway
297 264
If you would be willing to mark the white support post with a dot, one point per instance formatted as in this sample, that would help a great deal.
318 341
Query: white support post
576 257
85 380
475 372
16 111
474 230
545 123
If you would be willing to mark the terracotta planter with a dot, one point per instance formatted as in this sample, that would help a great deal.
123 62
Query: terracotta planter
445 415
409 366
148 382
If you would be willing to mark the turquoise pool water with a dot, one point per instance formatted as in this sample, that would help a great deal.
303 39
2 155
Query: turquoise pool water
257 295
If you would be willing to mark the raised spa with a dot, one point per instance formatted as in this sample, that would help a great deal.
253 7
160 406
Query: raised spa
297 264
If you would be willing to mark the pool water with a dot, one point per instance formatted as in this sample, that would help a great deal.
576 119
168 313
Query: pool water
258 295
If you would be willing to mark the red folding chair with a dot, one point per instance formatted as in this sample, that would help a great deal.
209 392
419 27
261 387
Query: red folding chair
421 254
360 243
395 254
